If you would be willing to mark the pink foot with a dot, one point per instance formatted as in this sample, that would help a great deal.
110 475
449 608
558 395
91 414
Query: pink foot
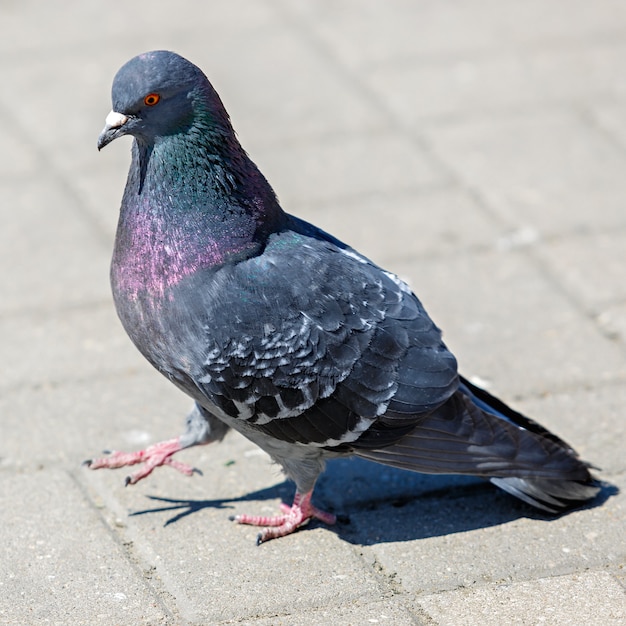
153 456
301 512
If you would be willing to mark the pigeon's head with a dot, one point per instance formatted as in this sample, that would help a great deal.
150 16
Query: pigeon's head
160 93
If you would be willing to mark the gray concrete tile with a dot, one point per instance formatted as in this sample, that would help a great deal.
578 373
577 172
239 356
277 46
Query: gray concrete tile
27 30
483 536
60 563
287 100
64 141
589 419
353 614
294 76
212 566
548 171
620 575
17 160
69 344
311 569
118 415
585 598
590 267
99 188
53 257
611 117
517 80
266 107
394 226
509 326
48 423
364 33
342 165
613 321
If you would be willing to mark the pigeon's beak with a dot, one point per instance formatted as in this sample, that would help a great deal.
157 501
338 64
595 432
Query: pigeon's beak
113 128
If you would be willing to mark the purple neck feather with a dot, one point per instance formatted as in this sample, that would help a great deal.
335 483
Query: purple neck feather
181 215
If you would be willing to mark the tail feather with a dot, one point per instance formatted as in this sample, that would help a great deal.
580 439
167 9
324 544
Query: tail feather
468 435
495 406
552 496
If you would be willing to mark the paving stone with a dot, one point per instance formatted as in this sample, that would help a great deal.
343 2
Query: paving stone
48 423
213 567
509 326
483 536
611 118
353 614
48 266
394 226
591 420
613 321
349 164
590 267
475 148
363 34
71 343
548 170
585 598
27 29
481 86
17 160
288 101
59 562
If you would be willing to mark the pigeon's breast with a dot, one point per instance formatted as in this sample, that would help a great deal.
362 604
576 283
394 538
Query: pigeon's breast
163 267
152 254
165 322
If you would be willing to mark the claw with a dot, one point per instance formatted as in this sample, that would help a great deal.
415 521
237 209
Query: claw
295 516
153 456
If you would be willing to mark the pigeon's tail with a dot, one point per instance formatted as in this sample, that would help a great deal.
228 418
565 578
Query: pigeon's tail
477 434
553 496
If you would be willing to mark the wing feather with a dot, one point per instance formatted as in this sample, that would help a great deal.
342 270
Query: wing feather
318 353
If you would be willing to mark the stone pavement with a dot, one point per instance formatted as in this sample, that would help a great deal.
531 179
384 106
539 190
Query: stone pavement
477 148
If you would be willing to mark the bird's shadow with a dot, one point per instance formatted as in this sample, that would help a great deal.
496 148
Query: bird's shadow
183 508
379 504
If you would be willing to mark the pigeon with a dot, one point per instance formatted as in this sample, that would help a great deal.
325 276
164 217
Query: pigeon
280 331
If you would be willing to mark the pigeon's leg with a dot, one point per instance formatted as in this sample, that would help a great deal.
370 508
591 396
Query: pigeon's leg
301 512
202 428
153 456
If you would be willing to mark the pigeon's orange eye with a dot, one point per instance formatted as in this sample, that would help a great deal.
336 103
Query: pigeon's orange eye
151 99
